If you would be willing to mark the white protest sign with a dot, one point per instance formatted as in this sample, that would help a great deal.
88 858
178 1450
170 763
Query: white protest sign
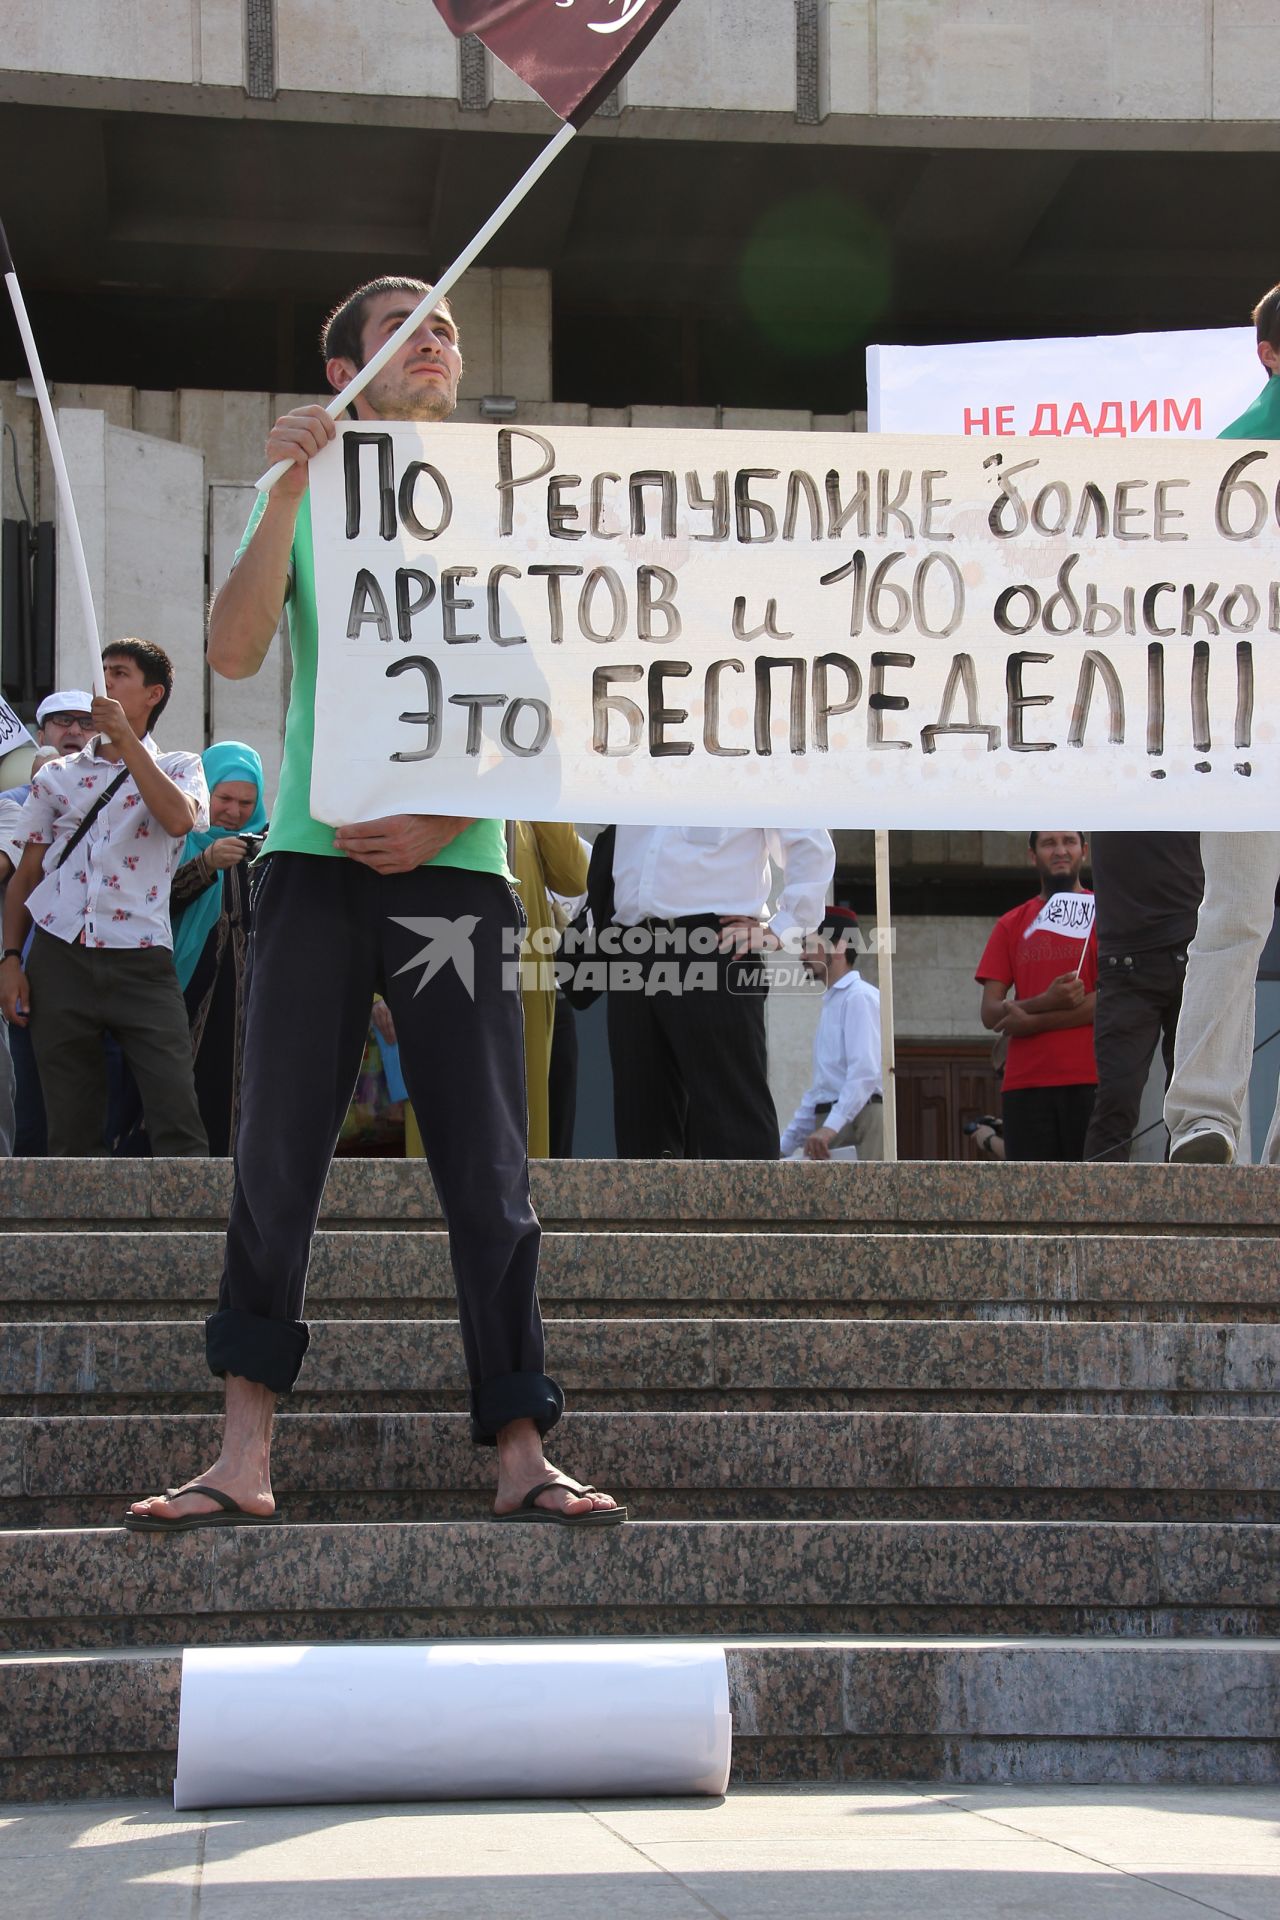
1110 387
705 628
12 732
1068 914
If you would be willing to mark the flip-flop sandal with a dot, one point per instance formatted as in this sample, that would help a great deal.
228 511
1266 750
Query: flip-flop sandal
232 1514
551 1517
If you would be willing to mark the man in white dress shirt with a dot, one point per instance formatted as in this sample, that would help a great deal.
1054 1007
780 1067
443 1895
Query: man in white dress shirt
842 1111
688 1050
104 831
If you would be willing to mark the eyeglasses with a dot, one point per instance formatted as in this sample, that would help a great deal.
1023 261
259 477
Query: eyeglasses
82 720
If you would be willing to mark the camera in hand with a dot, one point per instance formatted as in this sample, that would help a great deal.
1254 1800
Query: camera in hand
987 1134
253 843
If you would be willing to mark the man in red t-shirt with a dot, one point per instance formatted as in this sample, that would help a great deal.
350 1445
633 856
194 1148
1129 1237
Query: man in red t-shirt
1047 953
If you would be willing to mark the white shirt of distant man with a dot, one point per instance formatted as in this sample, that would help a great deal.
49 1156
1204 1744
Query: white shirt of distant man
840 1115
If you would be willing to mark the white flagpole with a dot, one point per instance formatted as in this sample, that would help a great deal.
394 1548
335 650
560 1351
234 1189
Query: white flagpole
405 331
1084 948
71 525
884 941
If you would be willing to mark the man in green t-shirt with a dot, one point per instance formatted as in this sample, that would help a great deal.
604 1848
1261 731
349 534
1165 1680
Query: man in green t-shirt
338 916
1213 1051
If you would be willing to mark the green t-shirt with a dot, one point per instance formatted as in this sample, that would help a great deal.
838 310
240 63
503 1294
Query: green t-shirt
1261 421
481 847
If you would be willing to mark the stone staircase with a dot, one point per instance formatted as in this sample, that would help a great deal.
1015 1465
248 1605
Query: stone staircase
973 1468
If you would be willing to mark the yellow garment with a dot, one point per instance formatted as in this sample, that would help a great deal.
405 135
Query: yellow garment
546 856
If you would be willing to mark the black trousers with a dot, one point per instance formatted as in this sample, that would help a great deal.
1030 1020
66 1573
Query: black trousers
1139 999
1046 1123
691 1069
327 934
78 995
32 1137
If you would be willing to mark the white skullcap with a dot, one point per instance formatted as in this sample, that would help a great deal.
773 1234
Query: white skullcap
70 700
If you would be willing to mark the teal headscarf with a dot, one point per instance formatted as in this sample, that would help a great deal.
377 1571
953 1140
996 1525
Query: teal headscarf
229 760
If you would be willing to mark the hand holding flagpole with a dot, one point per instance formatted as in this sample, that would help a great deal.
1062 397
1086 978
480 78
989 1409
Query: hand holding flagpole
66 501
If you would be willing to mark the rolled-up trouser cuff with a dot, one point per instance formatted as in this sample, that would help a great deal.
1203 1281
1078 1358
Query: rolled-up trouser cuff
269 1352
513 1396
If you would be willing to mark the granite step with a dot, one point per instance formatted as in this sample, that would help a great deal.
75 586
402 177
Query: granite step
105 1586
405 1273
826 1365
941 1196
909 1404
81 1472
961 1712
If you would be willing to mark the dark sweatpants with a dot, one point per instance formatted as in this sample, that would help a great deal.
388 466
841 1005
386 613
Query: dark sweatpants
327 935
1139 999
691 1070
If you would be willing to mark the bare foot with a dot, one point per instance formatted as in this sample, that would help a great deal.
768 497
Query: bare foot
250 1496
522 1466
565 1497
243 1468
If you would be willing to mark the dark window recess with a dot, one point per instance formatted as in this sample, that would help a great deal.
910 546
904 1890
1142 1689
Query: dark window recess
27 598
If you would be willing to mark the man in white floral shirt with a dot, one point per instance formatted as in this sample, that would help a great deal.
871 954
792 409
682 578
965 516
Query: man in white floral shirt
104 832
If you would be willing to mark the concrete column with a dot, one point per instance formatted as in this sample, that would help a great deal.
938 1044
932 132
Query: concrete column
155 578
21 417
813 61
230 429
791 1018
249 710
140 504
83 432
522 332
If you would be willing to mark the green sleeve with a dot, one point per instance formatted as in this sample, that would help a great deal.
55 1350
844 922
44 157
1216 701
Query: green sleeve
1261 421
259 508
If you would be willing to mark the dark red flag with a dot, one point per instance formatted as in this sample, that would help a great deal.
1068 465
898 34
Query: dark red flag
572 52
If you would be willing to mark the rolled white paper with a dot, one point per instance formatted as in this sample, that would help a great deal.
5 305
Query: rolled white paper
451 1720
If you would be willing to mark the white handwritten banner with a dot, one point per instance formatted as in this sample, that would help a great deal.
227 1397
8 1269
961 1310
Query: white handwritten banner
709 628
1108 387
1068 914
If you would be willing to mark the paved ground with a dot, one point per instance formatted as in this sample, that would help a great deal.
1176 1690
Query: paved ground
877 1853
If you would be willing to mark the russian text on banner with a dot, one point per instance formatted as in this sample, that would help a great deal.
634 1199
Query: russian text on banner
701 628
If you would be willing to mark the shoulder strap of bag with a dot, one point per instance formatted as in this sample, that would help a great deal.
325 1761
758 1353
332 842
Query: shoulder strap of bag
113 787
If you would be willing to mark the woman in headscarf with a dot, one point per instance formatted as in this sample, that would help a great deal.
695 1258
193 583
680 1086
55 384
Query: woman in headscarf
209 901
